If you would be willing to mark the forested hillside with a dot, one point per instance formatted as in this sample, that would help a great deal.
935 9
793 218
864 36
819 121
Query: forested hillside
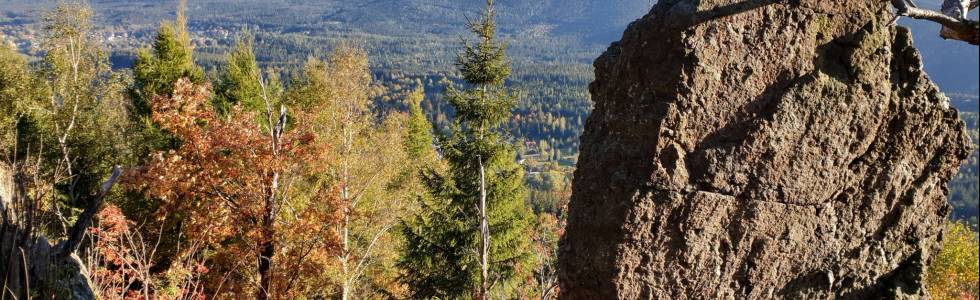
244 179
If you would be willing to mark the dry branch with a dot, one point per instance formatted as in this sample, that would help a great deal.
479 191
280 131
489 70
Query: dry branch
955 24
85 220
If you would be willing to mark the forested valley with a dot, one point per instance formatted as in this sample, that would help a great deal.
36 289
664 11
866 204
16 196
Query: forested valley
239 149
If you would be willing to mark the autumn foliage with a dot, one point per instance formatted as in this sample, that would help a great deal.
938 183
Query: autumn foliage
123 261
229 184
256 189
953 274
121 267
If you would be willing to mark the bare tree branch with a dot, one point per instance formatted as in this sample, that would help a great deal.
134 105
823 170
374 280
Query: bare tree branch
77 231
367 252
955 25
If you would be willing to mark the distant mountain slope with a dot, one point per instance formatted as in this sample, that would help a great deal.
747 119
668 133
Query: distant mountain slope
585 24
368 15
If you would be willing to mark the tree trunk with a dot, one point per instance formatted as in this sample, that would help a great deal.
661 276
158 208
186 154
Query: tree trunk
267 246
484 236
345 256
77 231
345 294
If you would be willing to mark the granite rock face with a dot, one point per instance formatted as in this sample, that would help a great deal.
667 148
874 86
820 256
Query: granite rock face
757 150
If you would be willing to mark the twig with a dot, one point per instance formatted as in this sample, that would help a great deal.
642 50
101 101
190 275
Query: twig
27 277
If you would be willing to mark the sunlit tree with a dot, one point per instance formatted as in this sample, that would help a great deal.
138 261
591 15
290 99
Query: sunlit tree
472 237
231 179
953 273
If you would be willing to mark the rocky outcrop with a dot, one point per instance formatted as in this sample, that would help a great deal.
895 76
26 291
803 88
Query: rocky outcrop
33 268
751 150
30 266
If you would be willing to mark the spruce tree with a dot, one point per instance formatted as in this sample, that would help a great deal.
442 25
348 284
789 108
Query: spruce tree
472 237
418 142
157 69
238 82
155 72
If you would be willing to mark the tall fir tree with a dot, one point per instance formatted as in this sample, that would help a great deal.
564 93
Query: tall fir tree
472 237
155 71
238 81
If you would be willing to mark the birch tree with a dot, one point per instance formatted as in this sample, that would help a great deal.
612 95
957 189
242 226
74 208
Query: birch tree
366 160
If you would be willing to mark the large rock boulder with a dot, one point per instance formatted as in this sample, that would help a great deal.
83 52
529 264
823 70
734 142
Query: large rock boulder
32 267
29 264
755 150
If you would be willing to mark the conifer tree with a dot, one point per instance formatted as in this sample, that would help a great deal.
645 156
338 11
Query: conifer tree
418 142
472 236
238 81
170 58
155 72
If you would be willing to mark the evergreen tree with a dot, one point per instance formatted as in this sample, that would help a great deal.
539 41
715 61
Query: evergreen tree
472 236
158 68
238 82
154 73
418 142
